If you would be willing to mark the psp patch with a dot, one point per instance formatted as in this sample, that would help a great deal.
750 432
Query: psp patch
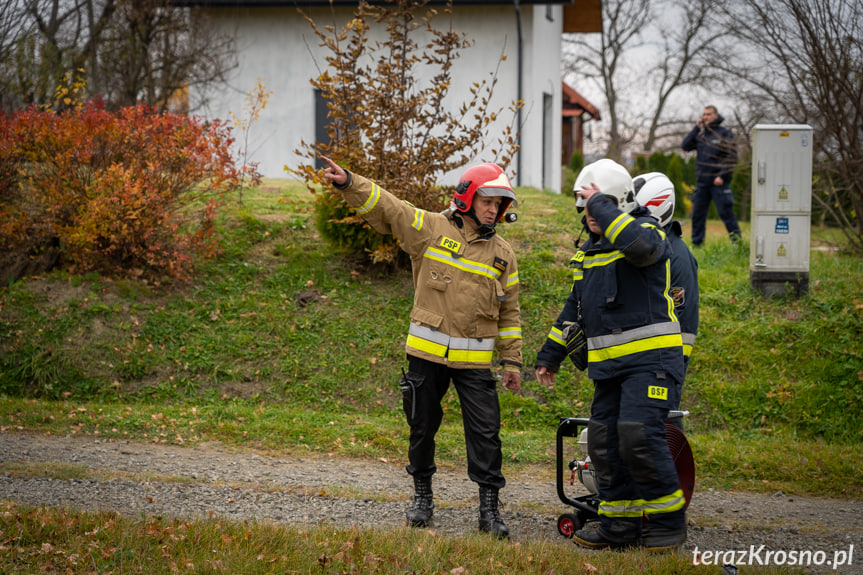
500 264
450 244
678 294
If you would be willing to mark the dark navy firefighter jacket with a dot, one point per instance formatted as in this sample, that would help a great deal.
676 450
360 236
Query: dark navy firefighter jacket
684 286
622 280
716 154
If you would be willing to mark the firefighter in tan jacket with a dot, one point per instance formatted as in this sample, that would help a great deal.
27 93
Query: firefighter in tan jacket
465 306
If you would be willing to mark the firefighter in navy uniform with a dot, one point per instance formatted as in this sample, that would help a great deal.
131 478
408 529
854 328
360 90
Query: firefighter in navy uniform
465 306
635 357
655 192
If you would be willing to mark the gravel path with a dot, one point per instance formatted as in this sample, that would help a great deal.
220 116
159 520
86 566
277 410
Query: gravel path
211 481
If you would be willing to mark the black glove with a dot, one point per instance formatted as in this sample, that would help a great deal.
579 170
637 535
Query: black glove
576 344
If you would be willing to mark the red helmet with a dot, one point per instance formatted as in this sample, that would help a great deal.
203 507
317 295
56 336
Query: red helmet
486 180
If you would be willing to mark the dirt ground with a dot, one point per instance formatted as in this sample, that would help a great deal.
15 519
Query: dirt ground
210 480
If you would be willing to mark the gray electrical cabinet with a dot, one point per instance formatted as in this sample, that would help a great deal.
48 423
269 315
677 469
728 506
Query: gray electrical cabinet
781 209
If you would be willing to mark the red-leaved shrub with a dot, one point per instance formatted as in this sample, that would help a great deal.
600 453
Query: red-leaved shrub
133 190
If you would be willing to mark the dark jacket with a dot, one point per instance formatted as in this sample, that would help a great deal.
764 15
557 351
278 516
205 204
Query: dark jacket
621 280
684 286
716 152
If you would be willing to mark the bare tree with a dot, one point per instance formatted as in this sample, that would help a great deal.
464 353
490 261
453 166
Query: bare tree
14 30
801 61
126 51
648 51
389 123
602 60
69 35
690 34
153 53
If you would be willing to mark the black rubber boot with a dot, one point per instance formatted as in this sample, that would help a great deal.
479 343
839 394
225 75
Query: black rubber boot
423 508
661 539
613 535
489 517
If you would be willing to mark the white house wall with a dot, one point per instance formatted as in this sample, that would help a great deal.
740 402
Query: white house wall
277 46
543 34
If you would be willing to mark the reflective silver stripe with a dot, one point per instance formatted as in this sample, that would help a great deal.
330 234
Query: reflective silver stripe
419 216
510 333
429 334
688 343
513 279
647 331
602 259
440 338
556 335
371 201
470 344
665 504
621 508
617 226
635 507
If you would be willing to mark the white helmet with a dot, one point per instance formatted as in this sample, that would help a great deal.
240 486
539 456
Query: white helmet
612 179
656 192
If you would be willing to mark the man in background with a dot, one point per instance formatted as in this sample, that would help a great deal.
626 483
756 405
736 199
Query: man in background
716 156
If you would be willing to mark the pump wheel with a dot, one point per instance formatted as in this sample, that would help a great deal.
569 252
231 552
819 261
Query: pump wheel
681 453
567 524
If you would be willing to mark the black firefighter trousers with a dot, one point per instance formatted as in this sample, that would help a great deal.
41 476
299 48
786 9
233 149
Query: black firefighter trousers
423 389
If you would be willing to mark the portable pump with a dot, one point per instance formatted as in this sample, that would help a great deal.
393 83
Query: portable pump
586 507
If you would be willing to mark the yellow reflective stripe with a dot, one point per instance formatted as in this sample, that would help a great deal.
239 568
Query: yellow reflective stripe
646 338
688 343
638 333
419 216
427 346
577 274
666 293
667 504
485 344
648 225
371 201
637 507
463 264
617 226
602 259
454 349
510 333
660 342
469 356
556 335
428 333
513 279
632 508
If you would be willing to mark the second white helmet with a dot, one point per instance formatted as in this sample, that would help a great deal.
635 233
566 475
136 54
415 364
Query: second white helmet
656 192
612 179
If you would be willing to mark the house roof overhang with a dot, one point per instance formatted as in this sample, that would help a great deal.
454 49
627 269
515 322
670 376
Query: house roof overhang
579 16
574 104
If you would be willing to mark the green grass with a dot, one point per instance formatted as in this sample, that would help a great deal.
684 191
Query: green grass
238 356
63 541
235 356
